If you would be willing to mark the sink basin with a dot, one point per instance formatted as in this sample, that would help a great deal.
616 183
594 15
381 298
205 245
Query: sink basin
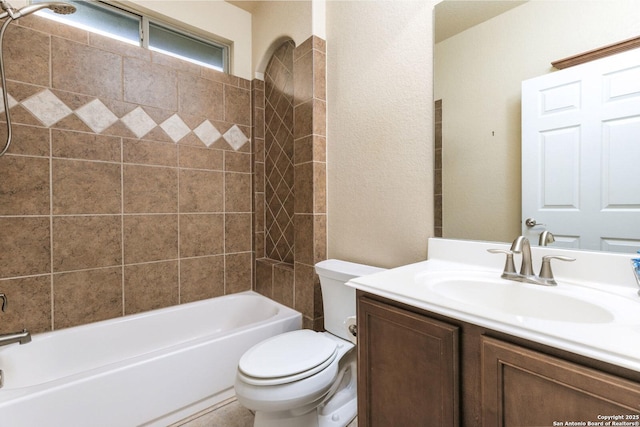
482 290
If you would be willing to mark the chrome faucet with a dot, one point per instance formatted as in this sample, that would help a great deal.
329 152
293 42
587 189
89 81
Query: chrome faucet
522 246
15 337
546 238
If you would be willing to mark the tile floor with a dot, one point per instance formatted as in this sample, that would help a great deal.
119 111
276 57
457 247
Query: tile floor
228 414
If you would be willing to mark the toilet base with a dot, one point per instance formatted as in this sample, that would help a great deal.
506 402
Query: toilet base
284 419
338 411
340 418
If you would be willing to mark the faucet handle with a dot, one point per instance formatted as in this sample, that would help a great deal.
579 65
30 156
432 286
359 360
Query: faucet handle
545 270
509 267
3 297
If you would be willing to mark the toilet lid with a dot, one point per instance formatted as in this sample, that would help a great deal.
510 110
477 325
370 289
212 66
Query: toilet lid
288 355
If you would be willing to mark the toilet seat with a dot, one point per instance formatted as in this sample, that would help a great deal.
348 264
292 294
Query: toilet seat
286 358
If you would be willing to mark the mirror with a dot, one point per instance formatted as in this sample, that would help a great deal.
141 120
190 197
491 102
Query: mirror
478 70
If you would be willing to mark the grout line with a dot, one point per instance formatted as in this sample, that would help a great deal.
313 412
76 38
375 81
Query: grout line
122 265
51 288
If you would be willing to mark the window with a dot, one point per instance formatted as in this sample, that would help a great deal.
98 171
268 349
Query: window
134 28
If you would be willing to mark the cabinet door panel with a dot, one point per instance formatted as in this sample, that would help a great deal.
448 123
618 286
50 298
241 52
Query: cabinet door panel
522 387
408 368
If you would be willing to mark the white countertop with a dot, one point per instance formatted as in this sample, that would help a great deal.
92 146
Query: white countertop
601 279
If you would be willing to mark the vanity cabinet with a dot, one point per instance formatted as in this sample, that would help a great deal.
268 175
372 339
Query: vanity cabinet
417 368
522 387
407 368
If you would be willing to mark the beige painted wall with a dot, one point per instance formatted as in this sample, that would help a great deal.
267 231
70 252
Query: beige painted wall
478 75
275 22
380 130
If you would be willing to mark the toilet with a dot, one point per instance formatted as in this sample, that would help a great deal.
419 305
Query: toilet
305 378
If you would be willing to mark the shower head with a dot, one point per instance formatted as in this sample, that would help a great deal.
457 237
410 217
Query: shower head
57 7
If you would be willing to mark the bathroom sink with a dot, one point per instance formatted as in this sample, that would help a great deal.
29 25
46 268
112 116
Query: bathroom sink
482 290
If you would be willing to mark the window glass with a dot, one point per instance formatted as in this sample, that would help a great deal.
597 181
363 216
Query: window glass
174 43
101 19
127 26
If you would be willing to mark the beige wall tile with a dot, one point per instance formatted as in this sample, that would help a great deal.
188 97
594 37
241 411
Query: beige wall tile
237 104
150 84
150 152
201 191
237 272
79 68
305 282
150 286
201 278
85 146
200 97
27 140
237 232
81 187
150 189
87 296
303 77
283 284
26 54
237 192
264 276
81 242
150 238
29 304
319 74
53 28
237 162
24 186
304 188
201 157
201 234
25 246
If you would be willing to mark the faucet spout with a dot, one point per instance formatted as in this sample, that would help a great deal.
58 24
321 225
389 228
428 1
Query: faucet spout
521 245
546 237
15 337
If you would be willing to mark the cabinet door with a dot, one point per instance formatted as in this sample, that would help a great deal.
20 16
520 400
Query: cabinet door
407 368
523 388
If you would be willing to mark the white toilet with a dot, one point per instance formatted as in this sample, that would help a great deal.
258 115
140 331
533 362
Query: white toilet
305 378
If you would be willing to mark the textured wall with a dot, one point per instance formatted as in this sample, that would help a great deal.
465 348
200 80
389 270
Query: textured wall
380 131
128 184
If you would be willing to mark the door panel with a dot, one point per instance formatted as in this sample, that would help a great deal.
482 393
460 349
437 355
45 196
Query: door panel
581 154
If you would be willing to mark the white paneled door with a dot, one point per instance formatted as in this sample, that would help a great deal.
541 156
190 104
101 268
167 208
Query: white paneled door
581 154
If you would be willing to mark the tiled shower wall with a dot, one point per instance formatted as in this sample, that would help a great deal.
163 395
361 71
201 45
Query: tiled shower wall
128 183
297 164
278 155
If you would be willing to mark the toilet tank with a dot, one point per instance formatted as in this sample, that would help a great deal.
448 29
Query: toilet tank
339 300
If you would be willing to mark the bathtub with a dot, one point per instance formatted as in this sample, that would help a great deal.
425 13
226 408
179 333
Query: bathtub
148 369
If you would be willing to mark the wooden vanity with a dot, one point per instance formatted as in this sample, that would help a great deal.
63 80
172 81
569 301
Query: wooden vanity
419 368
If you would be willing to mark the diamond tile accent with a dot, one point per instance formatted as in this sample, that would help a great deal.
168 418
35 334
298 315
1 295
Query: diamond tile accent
47 107
235 137
175 128
96 115
139 122
11 99
207 133
279 183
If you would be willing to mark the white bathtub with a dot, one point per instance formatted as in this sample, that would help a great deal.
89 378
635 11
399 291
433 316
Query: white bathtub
149 369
